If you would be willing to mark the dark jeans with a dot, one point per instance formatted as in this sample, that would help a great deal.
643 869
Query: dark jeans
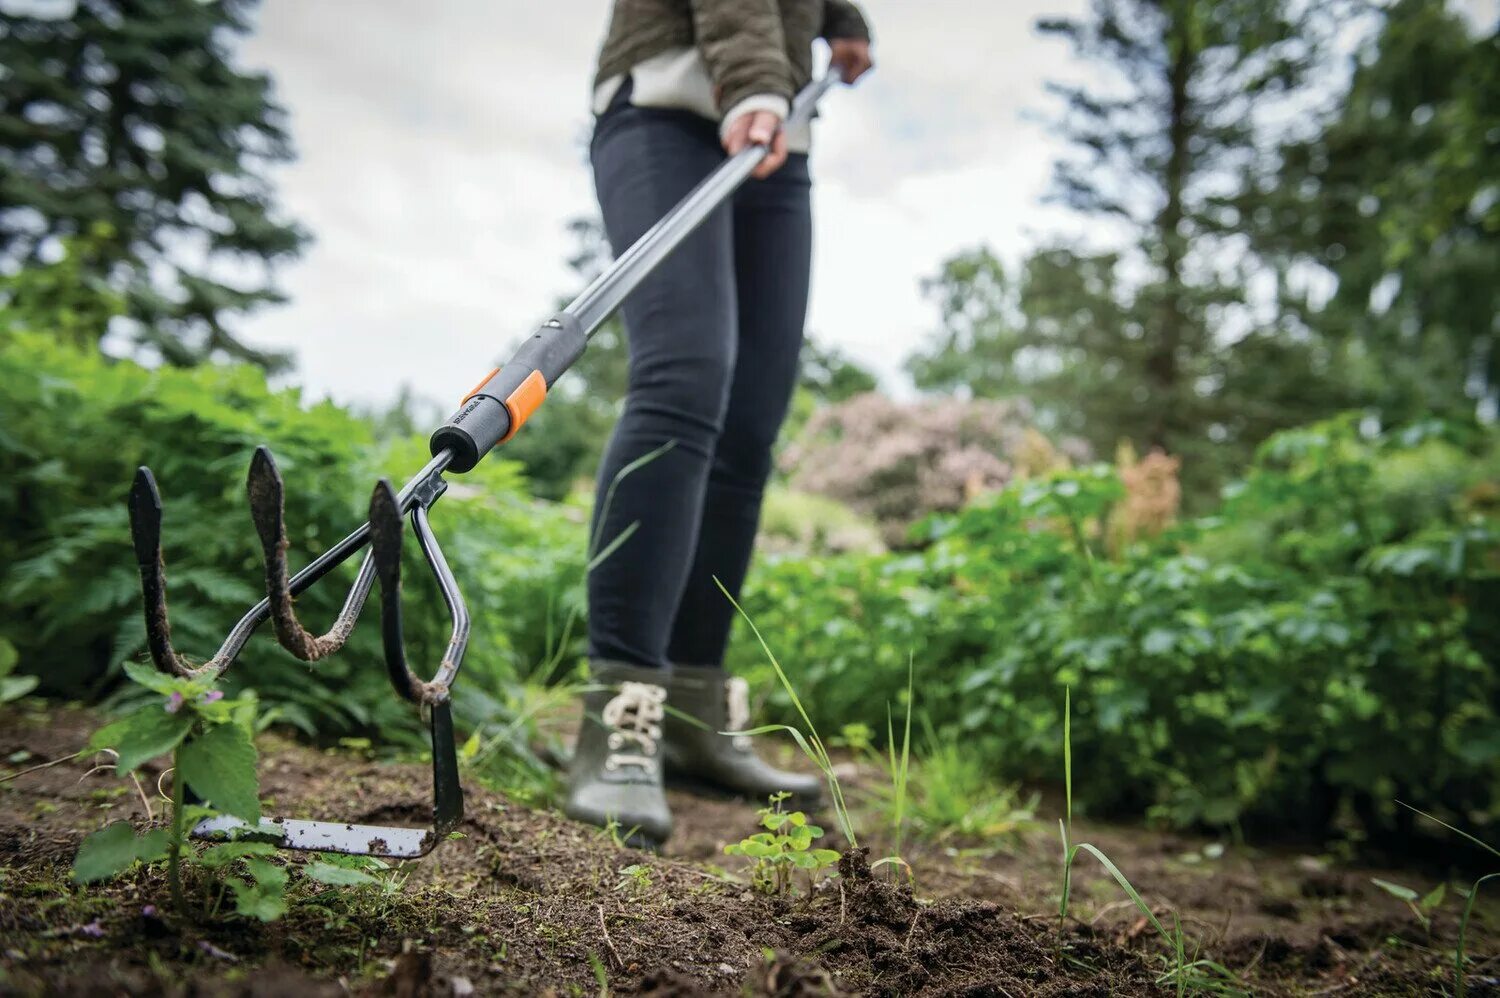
714 338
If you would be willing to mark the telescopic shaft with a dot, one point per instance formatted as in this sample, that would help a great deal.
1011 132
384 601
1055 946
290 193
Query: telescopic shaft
498 406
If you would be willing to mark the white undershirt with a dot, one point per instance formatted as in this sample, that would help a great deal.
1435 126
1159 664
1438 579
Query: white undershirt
678 78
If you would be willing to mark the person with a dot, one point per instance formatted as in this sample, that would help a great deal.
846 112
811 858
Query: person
714 337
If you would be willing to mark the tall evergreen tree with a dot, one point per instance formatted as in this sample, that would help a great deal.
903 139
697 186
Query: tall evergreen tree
128 121
1396 203
1147 342
1051 333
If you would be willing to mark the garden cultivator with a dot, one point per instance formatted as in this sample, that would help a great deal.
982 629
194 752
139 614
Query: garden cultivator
489 415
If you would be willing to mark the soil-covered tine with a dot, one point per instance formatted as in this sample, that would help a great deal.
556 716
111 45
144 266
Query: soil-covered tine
385 547
145 534
267 509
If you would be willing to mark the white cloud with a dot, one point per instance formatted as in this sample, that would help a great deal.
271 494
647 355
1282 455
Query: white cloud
441 155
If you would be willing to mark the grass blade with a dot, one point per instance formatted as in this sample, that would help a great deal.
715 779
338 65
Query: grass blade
811 744
1456 831
1463 931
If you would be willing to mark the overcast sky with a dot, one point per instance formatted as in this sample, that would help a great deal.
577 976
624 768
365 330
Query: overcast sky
441 156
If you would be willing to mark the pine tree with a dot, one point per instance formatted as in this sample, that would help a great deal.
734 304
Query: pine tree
1150 341
128 121
1395 204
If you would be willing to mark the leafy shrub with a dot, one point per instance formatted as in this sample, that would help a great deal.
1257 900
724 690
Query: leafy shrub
73 428
1311 652
799 523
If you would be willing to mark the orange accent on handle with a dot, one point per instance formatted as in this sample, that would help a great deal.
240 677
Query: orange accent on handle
526 399
475 390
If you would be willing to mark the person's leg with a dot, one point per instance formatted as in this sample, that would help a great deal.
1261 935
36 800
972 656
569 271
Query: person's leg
772 260
680 324
772 246
681 328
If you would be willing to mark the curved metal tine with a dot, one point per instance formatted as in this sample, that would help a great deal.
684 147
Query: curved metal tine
267 509
448 798
386 537
458 641
385 547
145 535
385 550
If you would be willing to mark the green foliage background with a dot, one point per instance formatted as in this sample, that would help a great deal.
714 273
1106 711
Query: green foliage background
73 427
1323 644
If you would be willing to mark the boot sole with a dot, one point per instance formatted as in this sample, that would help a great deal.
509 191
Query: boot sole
717 791
643 843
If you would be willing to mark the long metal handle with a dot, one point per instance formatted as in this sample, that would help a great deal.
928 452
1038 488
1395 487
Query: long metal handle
499 405
605 293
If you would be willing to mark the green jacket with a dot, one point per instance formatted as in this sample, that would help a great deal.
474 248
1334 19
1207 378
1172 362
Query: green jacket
750 46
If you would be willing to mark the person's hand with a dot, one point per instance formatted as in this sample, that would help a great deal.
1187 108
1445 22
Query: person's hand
758 128
851 56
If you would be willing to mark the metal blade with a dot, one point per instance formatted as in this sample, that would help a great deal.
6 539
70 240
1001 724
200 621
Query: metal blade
386 841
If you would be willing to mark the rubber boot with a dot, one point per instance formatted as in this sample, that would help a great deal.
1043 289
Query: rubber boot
616 775
701 759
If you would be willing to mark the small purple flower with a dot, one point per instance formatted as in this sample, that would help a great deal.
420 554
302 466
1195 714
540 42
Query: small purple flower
211 696
93 930
149 911
174 703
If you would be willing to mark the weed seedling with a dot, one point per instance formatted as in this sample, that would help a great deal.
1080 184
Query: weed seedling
212 752
811 745
784 847
1421 905
1472 895
635 880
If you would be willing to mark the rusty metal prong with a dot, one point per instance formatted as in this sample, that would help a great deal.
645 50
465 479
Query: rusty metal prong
145 534
267 509
385 548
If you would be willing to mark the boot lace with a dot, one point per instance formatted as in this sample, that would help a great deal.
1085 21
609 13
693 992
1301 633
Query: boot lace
737 692
634 717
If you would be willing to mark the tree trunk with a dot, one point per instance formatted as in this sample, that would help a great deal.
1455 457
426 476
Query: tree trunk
1162 362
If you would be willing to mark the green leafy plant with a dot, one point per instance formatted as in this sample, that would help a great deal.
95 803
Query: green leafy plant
956 794
12 687
785 847
1323 643
899 764
1422 905
209 739
260 889
635 879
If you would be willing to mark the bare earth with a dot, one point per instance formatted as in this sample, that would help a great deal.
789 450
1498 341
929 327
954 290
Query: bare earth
527 902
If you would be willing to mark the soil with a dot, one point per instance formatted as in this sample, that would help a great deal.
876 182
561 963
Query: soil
526 902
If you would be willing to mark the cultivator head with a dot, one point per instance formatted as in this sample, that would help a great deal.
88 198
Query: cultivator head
383 531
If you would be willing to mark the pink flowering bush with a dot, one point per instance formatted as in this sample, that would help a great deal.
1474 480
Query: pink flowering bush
899 461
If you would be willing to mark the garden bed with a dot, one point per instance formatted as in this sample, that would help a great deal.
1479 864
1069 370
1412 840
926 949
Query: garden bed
527 902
